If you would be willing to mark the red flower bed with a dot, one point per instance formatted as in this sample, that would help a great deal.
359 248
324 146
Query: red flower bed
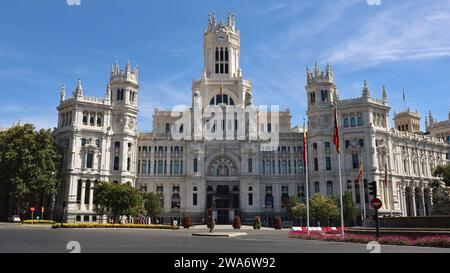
429 241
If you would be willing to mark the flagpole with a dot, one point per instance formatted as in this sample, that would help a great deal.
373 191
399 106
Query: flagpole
306 173
340 192
340 175
363 192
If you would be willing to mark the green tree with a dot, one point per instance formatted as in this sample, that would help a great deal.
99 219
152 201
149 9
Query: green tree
441 190
323 209
443 173
117 199
349 207
299 211
28 168
293 201
152 205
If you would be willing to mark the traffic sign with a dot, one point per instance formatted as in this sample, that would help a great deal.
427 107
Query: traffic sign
376 203
32 209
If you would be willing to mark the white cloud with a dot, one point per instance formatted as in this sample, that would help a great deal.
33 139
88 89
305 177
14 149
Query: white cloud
411 31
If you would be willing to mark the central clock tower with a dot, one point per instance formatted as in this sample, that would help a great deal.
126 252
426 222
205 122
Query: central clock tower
221 49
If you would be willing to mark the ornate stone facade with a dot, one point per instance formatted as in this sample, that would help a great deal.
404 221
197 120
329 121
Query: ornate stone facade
241 176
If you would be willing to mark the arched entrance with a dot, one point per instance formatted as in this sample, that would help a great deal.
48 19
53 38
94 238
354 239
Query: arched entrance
223 190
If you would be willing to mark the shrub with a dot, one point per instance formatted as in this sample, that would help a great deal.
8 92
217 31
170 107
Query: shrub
257 223
187 221
38 222
96 225
277 223
237 222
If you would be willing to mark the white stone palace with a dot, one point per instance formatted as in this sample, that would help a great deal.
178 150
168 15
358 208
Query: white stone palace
241 176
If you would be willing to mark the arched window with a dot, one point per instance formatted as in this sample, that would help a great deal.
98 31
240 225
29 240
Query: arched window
357 193
195 167
312 97
361 142
269 197
330 188
360 119
316 187
176 200
284 196
87 192
160 192
349 185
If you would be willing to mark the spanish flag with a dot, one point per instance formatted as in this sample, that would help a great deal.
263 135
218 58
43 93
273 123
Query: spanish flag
336 132
360 173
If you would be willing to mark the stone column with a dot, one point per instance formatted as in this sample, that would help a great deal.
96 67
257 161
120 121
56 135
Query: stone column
403 202
422 195
83 193
91 196
413 202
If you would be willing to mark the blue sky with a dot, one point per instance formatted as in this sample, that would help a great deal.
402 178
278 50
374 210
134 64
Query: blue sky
47 43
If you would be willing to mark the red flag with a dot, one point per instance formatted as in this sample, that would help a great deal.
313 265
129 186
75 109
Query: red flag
385 174
360 173
336 132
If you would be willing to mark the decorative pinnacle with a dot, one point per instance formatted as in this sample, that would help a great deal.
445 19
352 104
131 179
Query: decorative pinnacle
63 92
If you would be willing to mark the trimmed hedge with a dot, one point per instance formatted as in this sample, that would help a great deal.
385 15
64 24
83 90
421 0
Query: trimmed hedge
96 225
38 222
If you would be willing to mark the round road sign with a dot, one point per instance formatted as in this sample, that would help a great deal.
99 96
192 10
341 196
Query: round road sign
376 203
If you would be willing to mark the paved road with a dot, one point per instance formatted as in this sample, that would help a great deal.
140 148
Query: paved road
38 239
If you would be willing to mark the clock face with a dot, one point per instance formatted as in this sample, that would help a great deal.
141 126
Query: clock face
221 38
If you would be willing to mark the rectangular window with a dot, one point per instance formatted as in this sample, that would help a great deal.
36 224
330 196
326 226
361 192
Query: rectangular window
316 164
89 160
160 166
117 147
250 165
128 164
360 121
250 199
79 188
355 161
116 163
87 191
195 199
328 163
